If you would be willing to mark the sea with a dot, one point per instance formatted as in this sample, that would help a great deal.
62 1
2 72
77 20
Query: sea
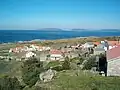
28 35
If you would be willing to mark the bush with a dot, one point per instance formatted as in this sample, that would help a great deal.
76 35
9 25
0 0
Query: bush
31 70
52 64
38 88
66 64
57 68
90 63
81 60
77 60
8 83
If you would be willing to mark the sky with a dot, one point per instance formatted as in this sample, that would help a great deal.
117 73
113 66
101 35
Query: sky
67 14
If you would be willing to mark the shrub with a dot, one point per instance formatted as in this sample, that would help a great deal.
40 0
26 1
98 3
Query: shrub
57 68
90 63
52 64
77 60
66 64
31 70
8 83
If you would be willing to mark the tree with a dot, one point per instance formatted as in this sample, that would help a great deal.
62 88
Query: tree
31 70
8 83
66 64
90 63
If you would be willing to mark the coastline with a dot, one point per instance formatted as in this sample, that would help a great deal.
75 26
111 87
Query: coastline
65 39
43 40
15 36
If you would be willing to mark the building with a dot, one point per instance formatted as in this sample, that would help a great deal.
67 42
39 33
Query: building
88 45
30 54
112 46
56 55
71 54
108 44
114 43
96 43
113 61
31 48
105 45
98 51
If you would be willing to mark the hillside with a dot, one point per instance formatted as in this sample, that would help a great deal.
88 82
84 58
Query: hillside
79 80
69 75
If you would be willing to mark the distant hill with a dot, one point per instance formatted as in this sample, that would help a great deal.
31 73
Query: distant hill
110 29
51 29
77 29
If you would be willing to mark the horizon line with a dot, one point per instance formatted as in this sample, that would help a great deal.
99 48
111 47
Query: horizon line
67 29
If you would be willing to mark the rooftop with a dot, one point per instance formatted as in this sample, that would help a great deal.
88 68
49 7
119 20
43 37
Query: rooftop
55 51
114 43
113 53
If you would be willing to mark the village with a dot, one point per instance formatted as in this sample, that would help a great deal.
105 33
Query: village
51 64
110 49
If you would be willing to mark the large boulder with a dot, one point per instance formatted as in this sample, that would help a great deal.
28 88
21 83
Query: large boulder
47 76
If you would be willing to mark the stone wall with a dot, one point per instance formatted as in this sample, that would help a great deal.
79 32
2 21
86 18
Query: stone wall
113 67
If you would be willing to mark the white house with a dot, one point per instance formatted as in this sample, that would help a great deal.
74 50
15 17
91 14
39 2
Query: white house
30 54
56 55
88 45
39 48
113 62
107 45
112 46
98 51
47 48
103 46
11 50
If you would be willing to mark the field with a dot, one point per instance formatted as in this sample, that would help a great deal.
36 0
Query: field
79 80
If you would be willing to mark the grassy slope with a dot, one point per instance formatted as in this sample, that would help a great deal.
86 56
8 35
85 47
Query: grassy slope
68 80
4 67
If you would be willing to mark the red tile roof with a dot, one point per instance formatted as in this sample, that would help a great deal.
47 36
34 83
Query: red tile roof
113 53
55 52
113 42
96 43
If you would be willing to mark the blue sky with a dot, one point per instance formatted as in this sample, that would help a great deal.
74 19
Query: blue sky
36 14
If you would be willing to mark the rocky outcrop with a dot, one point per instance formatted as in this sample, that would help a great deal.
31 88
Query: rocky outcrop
47 76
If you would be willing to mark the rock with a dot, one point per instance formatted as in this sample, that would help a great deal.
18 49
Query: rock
47 76
73 66
93 69
81 66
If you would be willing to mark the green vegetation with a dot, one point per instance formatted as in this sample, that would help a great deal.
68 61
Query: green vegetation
53 64
66 64
24 75
46 43
90 63
6 66
31 70
77 60
7 46
68 80
8 83
35 88
57 68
